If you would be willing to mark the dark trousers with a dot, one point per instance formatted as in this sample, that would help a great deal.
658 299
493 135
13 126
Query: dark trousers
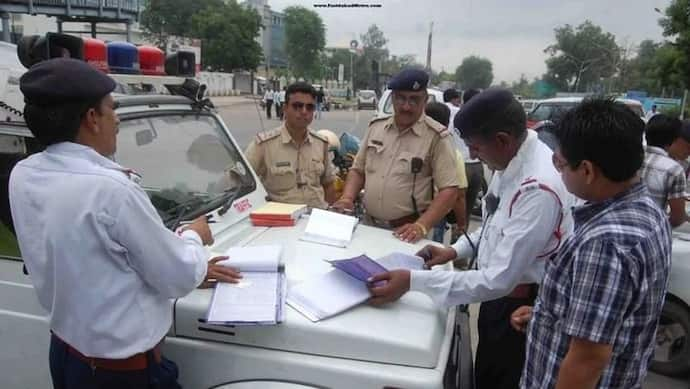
474 172
269 103
501 349
70 372
279 111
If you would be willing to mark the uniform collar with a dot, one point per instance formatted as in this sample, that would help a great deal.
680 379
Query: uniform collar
525 151
656 150
585 212
76 150
287 138
417 127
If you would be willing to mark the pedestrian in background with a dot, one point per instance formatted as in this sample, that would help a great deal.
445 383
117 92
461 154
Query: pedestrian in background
268 100
320 98
456 217
663 176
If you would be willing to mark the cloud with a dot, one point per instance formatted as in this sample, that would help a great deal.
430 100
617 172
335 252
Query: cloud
512 34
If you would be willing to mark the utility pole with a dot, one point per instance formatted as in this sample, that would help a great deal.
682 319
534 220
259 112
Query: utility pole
428 49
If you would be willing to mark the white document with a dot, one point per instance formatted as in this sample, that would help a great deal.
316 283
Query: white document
259 297
329 228
395 261
254 258
327 295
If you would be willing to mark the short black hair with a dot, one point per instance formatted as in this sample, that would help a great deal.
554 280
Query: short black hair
439 112
468 94
450 94
55 123
512 120
299 87
604 132
662 130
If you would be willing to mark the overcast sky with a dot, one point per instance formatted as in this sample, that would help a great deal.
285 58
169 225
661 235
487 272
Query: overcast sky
511 33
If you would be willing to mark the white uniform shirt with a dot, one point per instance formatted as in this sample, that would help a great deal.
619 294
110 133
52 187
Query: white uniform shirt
281 96
99 257
510 245
459 143
268 95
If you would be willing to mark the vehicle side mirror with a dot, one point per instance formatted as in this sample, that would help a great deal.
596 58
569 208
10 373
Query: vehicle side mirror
144 137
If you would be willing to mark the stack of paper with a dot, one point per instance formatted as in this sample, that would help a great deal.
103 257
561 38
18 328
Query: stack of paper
259 298
274 214
345 286
329 228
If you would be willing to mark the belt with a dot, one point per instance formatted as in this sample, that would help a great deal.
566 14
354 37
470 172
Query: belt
524 291
395 223
135 362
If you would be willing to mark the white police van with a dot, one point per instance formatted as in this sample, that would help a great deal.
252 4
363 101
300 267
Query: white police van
188 160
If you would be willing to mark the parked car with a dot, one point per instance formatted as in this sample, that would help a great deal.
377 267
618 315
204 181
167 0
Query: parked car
529 104
553 109
187 155
366 98
672 354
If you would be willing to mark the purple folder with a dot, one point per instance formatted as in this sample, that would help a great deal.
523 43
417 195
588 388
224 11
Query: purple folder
361 268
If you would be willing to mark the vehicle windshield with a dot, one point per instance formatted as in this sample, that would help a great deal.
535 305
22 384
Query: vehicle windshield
187 163
548 111
367 94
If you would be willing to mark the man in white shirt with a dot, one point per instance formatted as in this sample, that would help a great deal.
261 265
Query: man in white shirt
526 213
101 261
268 100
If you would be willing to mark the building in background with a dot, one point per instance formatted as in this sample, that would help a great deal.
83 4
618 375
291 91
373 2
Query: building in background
271 37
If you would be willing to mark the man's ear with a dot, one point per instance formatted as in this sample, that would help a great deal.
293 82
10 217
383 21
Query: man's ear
89 120
591 172
503 139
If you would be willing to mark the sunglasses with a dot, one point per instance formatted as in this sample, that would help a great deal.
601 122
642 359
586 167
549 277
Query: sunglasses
298 106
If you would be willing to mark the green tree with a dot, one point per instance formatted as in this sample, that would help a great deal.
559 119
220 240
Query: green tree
676 25
474 72
228 33
162 18
305 38
581 57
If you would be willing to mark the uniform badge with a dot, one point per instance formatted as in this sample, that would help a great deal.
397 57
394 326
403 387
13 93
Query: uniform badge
415 86
282 164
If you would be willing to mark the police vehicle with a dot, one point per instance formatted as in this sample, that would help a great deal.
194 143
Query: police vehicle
190 165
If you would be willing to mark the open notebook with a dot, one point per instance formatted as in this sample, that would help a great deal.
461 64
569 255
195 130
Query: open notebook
259 298
329 228
345 286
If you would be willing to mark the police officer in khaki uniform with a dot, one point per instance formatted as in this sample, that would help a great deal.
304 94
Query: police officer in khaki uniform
401 160
292 160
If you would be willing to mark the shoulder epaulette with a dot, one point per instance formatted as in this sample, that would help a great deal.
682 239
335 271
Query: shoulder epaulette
378 119
317 136
437 127
267 135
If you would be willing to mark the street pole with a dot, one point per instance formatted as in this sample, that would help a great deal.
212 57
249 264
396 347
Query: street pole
352 76
685 101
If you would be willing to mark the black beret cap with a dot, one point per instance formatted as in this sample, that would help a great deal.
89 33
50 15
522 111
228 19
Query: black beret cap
409 80
482 108
65 80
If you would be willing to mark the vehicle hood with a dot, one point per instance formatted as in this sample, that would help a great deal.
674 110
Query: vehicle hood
409 332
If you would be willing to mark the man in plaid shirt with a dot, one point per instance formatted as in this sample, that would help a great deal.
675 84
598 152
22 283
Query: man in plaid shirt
595 319
664 176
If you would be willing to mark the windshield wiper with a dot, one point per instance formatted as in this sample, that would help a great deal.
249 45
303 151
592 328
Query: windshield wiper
231 196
